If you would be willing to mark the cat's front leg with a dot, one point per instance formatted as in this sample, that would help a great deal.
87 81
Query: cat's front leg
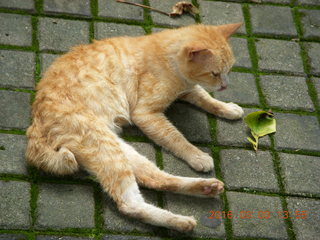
201 98
158 128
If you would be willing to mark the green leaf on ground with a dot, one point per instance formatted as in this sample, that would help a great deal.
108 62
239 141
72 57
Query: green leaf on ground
261 123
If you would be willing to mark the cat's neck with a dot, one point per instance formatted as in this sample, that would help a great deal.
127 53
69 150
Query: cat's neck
166 60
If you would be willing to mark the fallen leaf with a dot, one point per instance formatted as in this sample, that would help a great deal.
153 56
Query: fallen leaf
183 7
261 123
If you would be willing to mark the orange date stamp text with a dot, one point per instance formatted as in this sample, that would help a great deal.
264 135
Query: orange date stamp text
263 214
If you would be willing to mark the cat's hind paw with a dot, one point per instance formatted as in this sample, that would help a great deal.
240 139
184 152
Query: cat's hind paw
183 223
206 187
232 111
213 188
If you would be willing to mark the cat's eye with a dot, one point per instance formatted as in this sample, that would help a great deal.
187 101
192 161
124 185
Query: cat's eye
215 74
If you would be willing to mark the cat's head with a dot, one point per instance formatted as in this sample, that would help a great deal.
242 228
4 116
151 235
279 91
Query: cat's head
207 58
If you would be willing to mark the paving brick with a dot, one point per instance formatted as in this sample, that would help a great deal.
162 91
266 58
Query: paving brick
156 29
279 55
145 149
235 132
248 169
179 167
305 228
313 50
297 132
113 9
107 30
17 69
199 208
131 130
308 2
252 206
19 4
310 20
128 237
15 205
241 53
15 29
166 6
15 109
46 59
242 89
217 13
196 128
116 221
12 154
61 35
13 237
298 167
264 1
47 237
275 1
286 92
272 20
316 82
79 7
82 174
63 206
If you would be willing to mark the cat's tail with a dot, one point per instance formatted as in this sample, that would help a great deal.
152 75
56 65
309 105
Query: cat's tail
57 161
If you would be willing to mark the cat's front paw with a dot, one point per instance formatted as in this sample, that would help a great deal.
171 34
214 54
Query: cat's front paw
202 162
232 111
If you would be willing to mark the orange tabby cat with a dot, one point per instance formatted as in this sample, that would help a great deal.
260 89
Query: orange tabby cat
89 93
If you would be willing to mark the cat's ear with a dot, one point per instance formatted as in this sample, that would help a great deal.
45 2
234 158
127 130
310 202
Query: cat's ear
228 29
199 55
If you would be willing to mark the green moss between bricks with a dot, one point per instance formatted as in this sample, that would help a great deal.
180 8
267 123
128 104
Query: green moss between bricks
306 62
98 199
94 8
147 18
277 166
288 221
227 221
253 53
251 2
13 131
39 6
19 48
197 17
34 192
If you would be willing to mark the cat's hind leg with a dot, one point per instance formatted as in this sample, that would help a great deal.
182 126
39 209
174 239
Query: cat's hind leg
102 155
149 175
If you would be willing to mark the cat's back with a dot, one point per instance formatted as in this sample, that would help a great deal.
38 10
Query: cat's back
88 63
97 78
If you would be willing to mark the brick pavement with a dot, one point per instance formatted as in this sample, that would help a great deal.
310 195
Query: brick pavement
273 194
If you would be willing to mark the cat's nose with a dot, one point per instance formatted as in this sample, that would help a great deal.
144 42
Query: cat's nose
224 82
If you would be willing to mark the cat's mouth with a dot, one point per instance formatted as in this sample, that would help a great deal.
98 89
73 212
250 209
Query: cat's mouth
222 88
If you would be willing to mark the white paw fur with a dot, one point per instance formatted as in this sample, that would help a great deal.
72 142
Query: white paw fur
232 111
201 162
183 223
